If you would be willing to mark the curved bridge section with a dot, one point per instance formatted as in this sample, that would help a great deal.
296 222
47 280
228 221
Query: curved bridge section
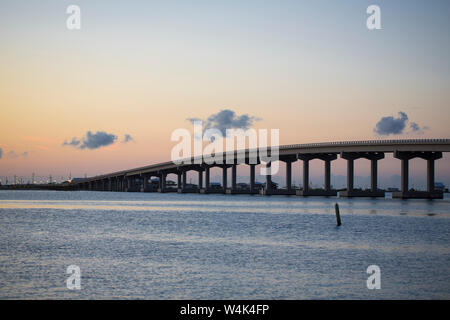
153 177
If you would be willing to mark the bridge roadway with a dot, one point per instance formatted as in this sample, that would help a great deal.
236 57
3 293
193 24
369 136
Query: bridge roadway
137 179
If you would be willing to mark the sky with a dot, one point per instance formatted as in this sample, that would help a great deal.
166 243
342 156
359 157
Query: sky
107 97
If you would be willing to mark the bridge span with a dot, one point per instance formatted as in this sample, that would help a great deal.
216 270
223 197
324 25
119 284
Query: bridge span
430 150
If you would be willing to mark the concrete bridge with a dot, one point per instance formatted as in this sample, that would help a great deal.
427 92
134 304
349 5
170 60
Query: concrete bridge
137 179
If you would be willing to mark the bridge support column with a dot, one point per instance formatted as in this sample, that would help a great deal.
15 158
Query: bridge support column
207 184
224 178
327 175
252 177
350 174
144 182
289 175
373 175
128 184
267 190
179 182
305 175
233 177
288 190
373 157
430 175
327 158
430 157
405 175
162 182
200 179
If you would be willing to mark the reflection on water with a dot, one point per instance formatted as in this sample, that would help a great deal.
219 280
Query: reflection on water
197 203
168 246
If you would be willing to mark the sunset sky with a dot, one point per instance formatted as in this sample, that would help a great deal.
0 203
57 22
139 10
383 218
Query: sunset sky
143 68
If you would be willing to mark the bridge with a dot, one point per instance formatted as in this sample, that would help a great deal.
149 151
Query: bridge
430 150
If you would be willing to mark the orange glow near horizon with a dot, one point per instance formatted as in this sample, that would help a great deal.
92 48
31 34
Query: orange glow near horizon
145 77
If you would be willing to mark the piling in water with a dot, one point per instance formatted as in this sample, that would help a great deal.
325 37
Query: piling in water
338 215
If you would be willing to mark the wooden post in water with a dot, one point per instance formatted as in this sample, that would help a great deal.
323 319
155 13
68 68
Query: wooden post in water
338 215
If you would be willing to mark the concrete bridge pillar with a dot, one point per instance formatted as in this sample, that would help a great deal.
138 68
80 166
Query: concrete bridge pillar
252 177
327 158
289 175
207 184
288 160
145 178
430 175
224 178
184 182
327 175
404 157
350 174
179 183
128 184
405 175
122 184
430 157
233 176
200 179
373 157
373 175
305 175
163 181
269 176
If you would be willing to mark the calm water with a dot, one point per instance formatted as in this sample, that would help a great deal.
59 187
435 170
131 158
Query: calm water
173 246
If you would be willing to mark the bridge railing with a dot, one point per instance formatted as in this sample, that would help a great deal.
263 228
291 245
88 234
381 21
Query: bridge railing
286 147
